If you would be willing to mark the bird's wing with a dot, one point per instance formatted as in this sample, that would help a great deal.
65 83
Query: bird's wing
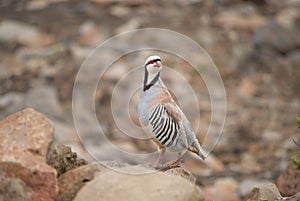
166 123
176 114
169 114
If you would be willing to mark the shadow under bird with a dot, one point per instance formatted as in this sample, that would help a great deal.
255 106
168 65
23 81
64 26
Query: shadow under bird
169 127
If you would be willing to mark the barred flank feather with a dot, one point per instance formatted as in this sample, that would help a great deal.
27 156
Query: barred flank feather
164 127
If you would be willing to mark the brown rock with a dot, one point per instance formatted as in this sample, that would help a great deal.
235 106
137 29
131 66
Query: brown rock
116 185
72 181
63 159
289 182
25 138
265 192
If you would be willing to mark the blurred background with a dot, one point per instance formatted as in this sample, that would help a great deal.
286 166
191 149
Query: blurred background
254 44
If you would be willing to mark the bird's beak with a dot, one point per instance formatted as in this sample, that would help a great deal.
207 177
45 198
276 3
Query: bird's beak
158 64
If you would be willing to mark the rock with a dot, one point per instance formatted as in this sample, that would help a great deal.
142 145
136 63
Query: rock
11 103
8 99
119 11
25 34
64 132
246 185
289 181
45 99
115 185
249 163
37 5
294 58
238 21
132 24
89 35
277 37
63 159
223 190
184 173
72 181
80 53
25 138
286 17
295 197
129 2
13 189
247 88
265 192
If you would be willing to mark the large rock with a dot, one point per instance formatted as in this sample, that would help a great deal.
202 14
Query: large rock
25 138
114 184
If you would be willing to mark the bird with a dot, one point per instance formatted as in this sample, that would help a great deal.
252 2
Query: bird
165 122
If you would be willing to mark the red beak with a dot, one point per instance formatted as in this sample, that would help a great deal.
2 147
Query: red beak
158 64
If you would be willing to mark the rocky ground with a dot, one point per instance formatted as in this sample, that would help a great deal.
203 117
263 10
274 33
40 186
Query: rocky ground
254 44
32 168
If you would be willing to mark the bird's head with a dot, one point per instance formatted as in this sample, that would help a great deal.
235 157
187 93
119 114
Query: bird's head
153 64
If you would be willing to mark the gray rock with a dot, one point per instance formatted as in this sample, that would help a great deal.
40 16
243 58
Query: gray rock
265 192
276 37
25 34
247 184
44 99
294 58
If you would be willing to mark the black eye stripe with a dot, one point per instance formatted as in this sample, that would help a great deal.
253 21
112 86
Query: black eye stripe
152 61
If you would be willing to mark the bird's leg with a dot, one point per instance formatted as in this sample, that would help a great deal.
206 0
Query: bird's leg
174 164
178 161
161 154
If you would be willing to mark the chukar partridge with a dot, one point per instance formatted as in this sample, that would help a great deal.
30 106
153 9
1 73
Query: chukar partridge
169 127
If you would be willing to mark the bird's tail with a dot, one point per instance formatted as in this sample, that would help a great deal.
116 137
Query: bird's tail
197 149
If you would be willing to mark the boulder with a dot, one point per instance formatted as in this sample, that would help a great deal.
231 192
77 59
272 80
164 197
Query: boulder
115 184
25 138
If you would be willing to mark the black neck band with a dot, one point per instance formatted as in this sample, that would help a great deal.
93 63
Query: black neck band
148 86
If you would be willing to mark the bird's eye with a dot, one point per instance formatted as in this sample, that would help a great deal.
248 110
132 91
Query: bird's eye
151 62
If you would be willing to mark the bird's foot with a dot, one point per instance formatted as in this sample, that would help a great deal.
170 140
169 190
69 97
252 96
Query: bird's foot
171 165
